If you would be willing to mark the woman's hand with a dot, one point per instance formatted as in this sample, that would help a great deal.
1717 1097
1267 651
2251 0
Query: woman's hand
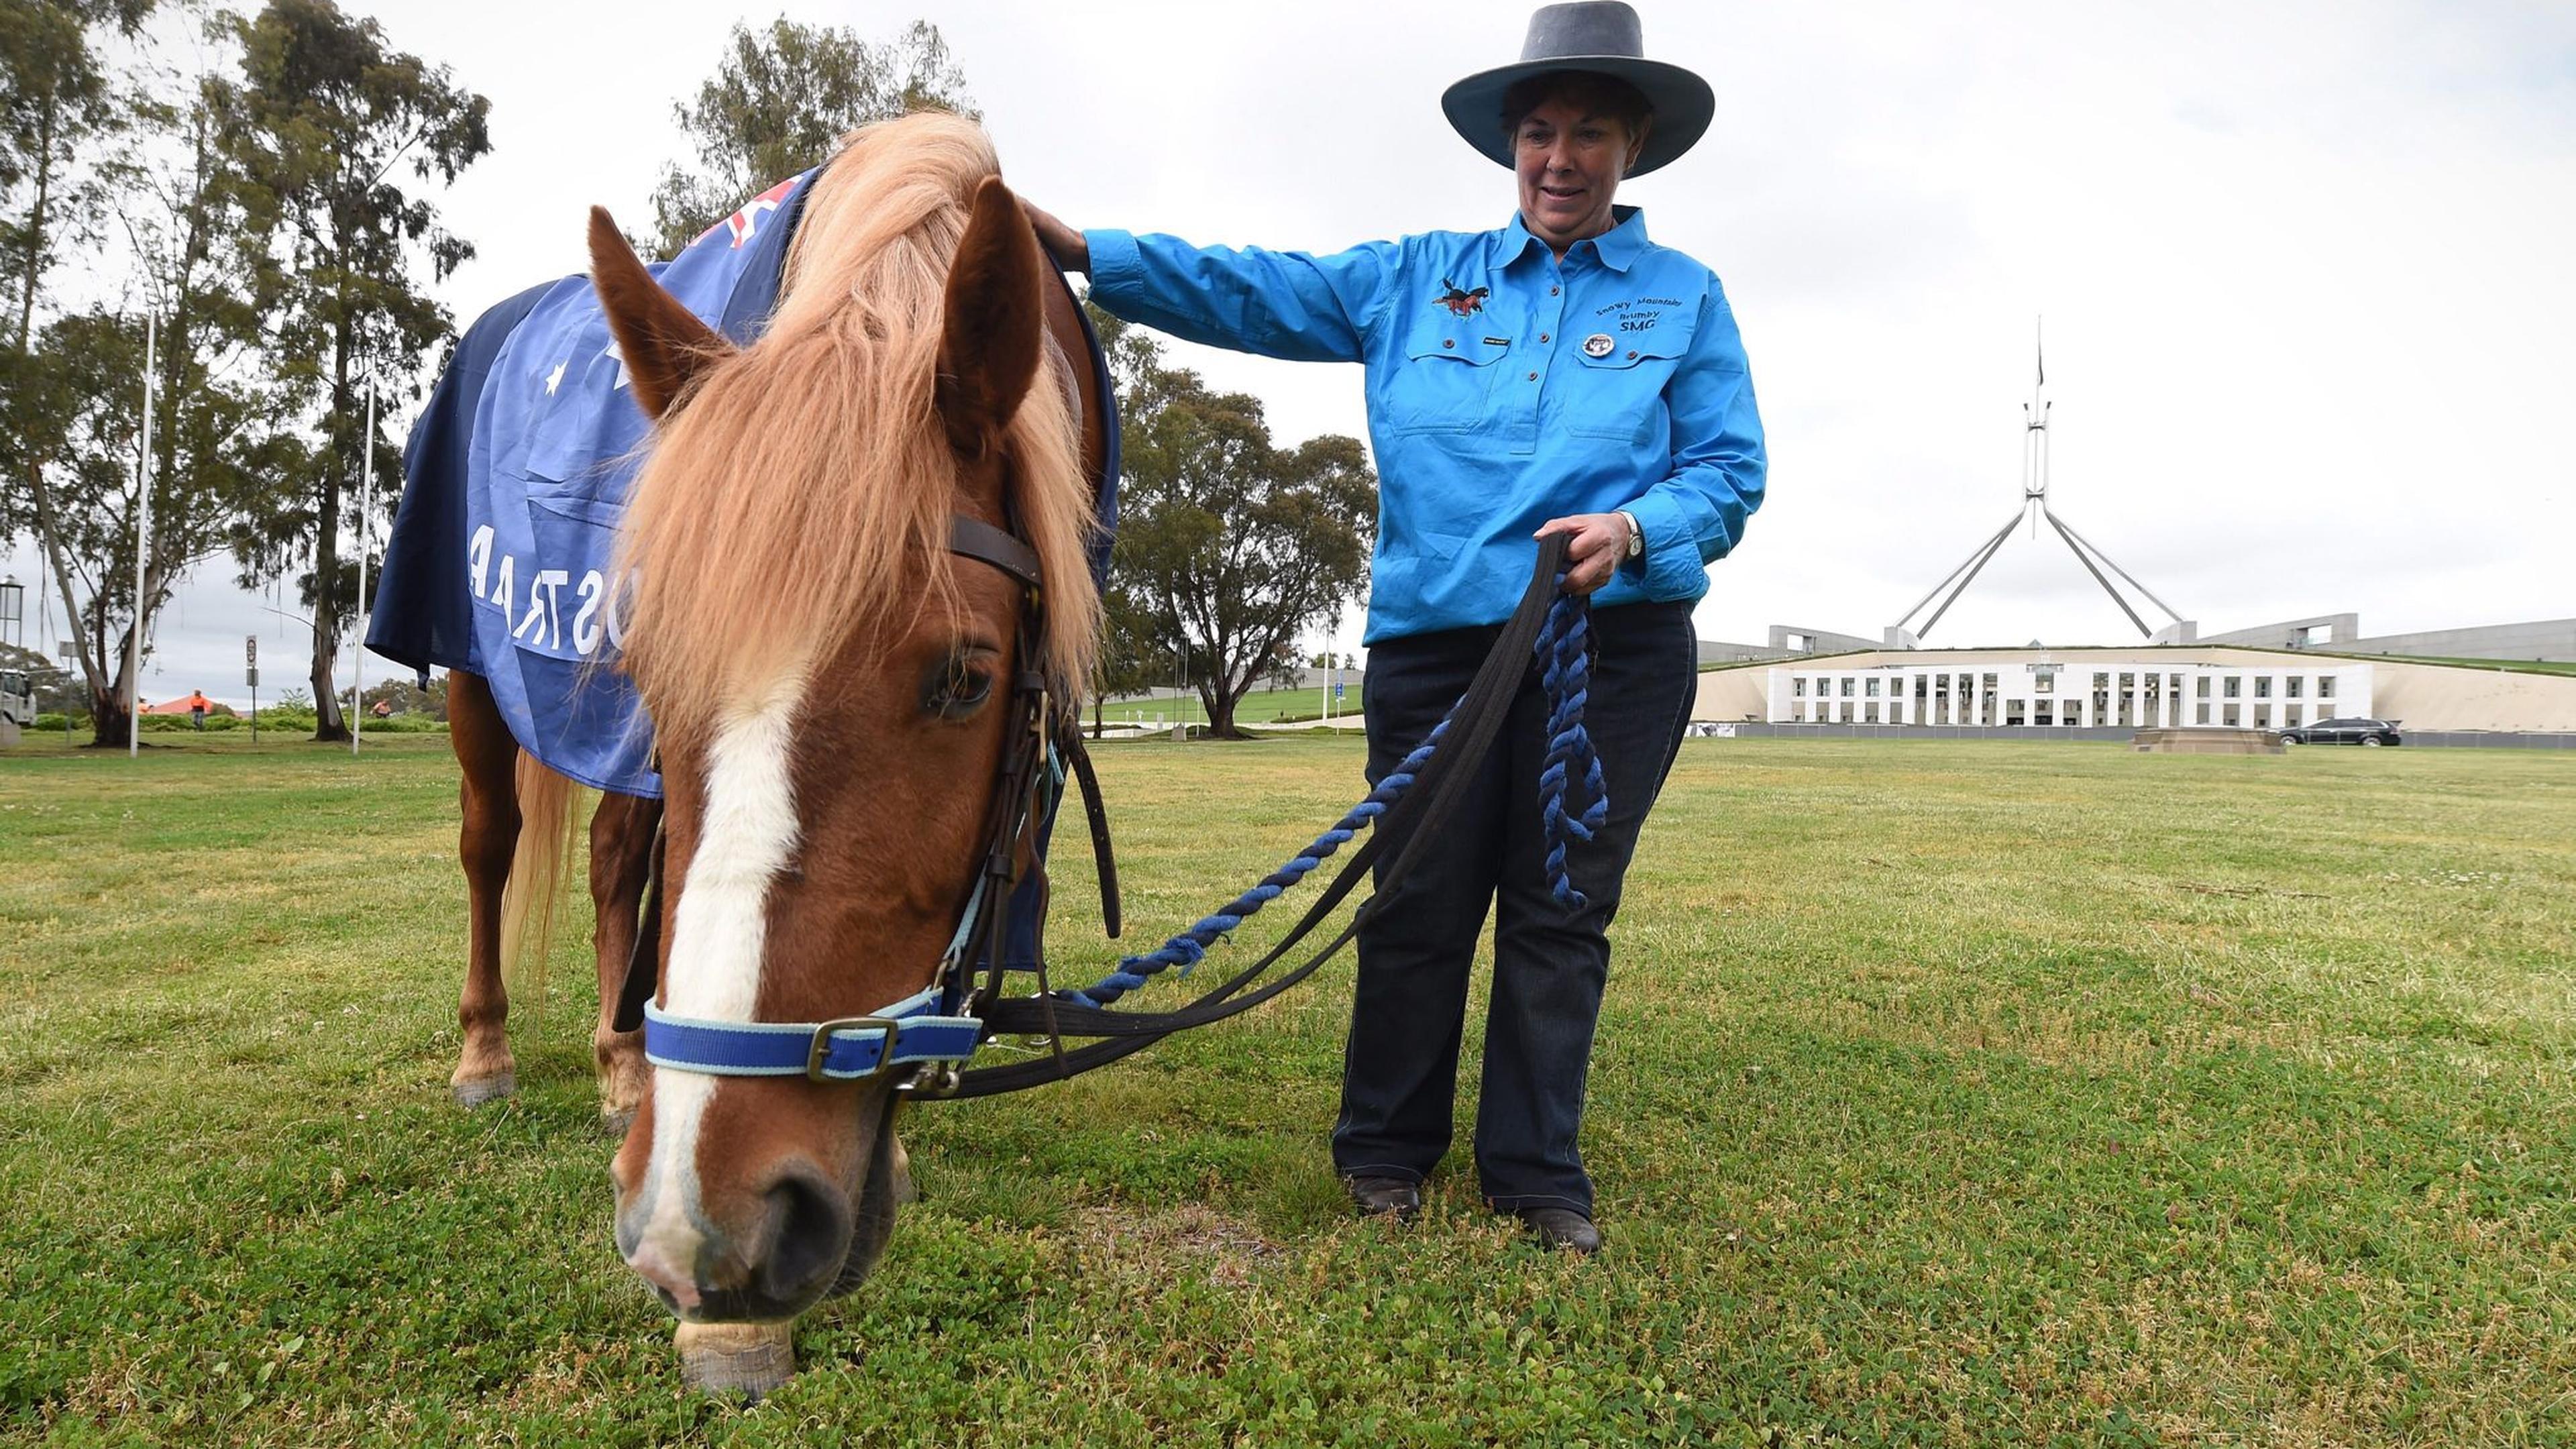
1595 545
1071 252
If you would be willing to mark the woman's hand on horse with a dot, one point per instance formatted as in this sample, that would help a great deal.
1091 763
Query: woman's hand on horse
1595 544
1071 252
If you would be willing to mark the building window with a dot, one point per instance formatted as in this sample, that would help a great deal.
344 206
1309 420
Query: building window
2204 690
2203 716
1872 716
2325 686
2040 712
2234 687
1873 692
1847 690
2230 718
2291 686
2262 716
2262 686
1798 687
2290 716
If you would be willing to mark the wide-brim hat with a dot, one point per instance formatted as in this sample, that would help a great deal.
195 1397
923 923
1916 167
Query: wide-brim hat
1603 36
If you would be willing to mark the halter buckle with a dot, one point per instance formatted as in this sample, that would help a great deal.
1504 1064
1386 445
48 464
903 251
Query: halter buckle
933 1081
821 1046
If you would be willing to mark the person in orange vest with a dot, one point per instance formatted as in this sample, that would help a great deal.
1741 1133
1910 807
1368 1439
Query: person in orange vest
197 705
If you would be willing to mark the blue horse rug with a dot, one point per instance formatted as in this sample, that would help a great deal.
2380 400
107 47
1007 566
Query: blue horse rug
514 481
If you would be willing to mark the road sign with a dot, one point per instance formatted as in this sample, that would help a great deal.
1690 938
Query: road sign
250 649
253 680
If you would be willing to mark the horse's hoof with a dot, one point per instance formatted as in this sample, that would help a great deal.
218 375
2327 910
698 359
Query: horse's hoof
745 1360
615 1120
475 1091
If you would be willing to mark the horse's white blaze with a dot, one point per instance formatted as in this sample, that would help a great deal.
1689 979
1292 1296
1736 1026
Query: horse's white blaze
718 936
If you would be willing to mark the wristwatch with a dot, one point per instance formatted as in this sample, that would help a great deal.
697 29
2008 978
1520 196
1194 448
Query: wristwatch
1636 535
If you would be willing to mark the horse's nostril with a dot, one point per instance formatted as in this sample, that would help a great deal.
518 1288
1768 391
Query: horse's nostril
813 1236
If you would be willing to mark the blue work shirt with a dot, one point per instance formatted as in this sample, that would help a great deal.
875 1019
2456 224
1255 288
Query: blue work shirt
1505 388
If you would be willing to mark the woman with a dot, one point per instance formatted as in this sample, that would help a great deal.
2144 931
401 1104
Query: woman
1560 375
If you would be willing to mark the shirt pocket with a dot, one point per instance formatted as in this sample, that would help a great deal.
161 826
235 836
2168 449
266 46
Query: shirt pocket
1446 376
1622 391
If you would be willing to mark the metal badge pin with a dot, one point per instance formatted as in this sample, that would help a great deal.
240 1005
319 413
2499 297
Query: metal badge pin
1597 345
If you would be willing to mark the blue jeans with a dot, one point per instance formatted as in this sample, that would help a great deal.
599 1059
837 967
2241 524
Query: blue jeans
1408 1011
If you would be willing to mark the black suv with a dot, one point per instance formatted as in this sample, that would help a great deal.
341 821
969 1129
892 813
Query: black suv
2344 732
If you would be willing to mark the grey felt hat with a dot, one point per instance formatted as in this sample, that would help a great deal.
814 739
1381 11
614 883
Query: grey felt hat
1594 35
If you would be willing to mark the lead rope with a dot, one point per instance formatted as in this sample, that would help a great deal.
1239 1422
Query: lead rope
1564 672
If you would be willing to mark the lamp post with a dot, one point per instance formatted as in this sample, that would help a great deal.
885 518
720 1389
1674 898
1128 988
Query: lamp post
68 649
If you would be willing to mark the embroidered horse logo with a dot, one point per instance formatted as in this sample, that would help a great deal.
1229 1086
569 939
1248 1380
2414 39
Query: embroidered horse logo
1462 304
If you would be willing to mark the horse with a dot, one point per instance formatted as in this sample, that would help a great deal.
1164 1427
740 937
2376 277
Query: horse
824 680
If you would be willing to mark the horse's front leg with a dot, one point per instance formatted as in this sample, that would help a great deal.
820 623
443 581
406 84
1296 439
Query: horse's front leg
749 1359
488 803
621 858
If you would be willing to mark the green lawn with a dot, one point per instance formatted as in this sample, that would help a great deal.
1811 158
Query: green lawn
1262 706
1947 1093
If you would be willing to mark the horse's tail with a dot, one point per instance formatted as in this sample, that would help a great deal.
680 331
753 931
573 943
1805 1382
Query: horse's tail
547 824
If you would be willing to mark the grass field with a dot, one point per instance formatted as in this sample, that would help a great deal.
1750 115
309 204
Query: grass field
1947 1093
1259 707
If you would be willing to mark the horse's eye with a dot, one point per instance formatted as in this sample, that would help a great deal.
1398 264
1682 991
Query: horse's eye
956 689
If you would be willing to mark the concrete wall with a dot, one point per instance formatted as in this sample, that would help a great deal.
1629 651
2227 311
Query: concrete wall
2540 639
2325 631
2552 639
1719 651
1817 641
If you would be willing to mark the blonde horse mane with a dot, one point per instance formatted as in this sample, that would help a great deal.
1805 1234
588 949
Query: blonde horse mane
802 492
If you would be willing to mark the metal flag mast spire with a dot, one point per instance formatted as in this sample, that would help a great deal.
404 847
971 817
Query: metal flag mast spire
2034 506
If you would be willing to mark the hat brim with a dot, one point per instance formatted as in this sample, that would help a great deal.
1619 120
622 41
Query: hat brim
1684 104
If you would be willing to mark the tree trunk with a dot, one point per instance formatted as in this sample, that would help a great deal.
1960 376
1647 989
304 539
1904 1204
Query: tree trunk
114 711
329 723
1220 702
36 209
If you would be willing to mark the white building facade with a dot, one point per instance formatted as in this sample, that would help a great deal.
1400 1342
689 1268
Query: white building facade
2088 691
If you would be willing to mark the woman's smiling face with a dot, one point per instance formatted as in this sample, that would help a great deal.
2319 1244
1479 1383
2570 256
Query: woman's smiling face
1569 162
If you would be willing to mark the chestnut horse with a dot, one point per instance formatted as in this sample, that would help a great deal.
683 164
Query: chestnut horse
825 684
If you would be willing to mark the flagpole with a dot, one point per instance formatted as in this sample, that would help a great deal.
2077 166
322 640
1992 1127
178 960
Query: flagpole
366 535
142 541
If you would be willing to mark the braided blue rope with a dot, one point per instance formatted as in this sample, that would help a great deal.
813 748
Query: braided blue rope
1565 671
1185 950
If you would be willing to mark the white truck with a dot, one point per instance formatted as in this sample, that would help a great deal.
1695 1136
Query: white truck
17 698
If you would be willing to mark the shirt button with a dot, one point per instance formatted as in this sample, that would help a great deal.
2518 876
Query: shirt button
1551 291
1542 337
1533 377
1632 357
1448 341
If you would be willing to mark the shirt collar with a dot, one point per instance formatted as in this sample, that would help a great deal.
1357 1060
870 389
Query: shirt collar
1618 248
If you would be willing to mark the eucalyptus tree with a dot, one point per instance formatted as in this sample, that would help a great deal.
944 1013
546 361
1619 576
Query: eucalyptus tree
155 217
1231 545
779 101
338 139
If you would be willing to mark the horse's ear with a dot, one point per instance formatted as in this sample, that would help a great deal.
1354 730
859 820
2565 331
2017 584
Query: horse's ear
663 343
995 311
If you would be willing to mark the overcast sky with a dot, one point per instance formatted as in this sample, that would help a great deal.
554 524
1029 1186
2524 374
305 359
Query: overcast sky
2305 267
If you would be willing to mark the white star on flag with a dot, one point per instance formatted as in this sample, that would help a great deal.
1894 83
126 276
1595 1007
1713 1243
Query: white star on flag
747 221
554 379
620 359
